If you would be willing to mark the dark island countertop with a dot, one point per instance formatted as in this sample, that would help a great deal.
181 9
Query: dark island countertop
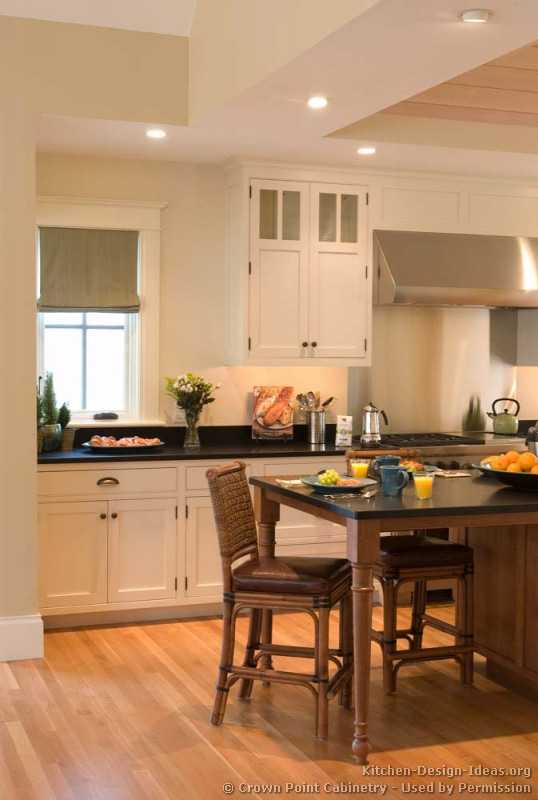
477 494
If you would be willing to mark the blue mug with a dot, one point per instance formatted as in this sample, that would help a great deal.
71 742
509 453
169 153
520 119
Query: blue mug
393 479
381 461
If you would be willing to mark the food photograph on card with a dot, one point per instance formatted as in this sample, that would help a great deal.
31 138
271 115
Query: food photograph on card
272 414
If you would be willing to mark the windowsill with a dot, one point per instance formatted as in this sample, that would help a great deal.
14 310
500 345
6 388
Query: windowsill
116 423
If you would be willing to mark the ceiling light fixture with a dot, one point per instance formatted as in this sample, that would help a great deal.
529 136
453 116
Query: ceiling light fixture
475 15
317 101
156 133
366 151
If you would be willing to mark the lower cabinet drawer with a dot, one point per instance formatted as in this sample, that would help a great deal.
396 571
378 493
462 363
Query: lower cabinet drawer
106 482
195 476
304 468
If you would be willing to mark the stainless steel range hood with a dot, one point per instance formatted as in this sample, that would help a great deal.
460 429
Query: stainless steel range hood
440 269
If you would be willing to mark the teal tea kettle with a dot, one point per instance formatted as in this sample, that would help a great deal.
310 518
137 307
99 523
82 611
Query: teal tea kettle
504 423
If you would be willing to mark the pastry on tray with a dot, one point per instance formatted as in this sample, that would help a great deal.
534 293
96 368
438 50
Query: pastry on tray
126 441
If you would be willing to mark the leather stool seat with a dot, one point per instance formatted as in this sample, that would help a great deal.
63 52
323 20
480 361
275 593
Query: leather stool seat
313 576
419 559
421 551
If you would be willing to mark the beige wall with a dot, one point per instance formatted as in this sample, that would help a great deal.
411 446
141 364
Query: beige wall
192 275
59 69
235 43
84 71
18 546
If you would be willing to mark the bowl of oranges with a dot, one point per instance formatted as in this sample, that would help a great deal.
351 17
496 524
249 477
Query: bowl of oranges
519 470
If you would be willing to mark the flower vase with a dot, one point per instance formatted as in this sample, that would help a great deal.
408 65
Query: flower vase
192 439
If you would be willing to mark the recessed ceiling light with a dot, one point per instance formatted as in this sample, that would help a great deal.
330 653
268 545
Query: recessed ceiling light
156 133
475 15
366 151
317 101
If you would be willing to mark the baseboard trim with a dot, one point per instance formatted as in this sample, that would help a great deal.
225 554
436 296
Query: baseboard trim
21 637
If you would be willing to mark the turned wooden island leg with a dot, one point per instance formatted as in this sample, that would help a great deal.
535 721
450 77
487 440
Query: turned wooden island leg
267 515
362 551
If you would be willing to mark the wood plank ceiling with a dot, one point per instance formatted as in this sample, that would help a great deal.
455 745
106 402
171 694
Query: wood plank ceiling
504 91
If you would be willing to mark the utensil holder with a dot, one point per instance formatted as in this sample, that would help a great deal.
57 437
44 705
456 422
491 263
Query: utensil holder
316 426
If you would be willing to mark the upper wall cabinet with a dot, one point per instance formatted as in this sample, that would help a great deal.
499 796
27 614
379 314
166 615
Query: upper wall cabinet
298 282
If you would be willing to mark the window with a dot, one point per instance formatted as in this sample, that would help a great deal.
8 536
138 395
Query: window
102 360
93 356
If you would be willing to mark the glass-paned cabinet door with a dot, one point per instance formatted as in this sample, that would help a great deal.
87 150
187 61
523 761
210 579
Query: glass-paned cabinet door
338 279
336 214
278 269
282 209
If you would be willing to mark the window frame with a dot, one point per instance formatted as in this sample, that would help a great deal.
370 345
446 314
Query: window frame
146 219
131 354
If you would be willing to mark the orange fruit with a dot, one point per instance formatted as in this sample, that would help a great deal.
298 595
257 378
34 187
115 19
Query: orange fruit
534 470
499 462
514 467
527 461
512 456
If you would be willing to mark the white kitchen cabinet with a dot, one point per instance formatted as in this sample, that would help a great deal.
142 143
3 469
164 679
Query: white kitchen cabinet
338 275
298 283
106 552
279 269
100 552
203 569
141 550
72 554
303 534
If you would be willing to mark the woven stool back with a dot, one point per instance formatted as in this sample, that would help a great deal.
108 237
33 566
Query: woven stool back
232 507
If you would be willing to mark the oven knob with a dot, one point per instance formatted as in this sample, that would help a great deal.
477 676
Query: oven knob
441 465
454 465
466 465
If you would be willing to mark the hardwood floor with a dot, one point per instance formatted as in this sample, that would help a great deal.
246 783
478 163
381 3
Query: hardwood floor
122 713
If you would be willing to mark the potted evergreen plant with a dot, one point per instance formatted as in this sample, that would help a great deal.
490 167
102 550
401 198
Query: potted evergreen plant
68 434
39 407
52 430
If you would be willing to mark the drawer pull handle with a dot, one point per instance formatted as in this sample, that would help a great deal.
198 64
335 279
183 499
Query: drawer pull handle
102 516
108 482
114 515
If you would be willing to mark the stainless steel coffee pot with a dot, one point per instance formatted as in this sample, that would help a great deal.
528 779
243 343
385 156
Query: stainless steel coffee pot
370 435
532 439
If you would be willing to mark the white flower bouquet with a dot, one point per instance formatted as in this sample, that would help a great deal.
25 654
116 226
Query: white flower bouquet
191 393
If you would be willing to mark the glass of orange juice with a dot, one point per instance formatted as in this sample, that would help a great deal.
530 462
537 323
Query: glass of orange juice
423 484
359 467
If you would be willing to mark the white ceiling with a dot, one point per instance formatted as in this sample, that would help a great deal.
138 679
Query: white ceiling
399 48
152 16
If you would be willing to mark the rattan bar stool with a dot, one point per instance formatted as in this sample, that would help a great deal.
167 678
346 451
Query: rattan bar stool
311 585
420 558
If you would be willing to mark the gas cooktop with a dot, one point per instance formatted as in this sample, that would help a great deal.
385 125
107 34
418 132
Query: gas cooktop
426 439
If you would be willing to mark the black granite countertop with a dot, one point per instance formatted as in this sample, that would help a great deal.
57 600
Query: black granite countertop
218 442
176 453
477 494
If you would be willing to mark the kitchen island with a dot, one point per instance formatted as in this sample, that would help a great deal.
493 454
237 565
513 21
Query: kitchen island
490 515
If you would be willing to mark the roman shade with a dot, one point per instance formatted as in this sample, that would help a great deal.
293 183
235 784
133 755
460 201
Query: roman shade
86 269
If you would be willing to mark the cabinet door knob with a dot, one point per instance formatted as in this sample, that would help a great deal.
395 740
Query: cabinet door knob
305 344
108 482
314 344
114 515
102 516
